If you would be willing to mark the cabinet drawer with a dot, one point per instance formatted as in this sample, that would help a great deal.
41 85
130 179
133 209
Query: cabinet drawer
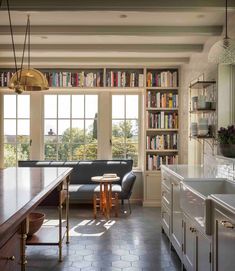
166 197
166 179
165 214
10 254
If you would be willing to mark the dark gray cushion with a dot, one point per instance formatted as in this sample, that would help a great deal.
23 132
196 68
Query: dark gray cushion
86 191
127 184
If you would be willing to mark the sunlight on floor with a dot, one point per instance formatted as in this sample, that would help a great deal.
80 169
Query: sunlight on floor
89 228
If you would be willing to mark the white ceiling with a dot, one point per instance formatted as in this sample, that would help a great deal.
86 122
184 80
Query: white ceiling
50 29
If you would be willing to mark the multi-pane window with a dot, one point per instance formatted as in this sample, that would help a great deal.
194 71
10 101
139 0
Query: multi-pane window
125 127
16 128
70 127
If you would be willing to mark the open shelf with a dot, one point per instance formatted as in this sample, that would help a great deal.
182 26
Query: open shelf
202 84
161 151
162 109
202 137
199 111
46 236
161 130
162 88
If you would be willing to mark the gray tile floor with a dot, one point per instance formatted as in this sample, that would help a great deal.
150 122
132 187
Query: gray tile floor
131 242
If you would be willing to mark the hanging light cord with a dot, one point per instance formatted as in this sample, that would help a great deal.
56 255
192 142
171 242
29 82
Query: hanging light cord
226 19
12 39
25 39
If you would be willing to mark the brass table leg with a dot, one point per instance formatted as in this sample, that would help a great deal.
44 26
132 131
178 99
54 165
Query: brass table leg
94 206
67 210
24 231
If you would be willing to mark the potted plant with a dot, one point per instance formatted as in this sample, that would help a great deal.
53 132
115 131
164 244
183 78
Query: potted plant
226 139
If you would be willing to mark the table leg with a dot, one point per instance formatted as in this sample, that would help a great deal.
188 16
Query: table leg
67 210
60 208
94 205
24 231
107 200
110 195
116 205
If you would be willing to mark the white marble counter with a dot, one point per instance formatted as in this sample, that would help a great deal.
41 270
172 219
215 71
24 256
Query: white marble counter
187 172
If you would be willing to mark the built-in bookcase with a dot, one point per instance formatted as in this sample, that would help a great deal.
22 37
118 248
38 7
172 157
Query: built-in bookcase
162 119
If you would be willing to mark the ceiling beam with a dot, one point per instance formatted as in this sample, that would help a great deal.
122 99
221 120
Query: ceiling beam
140 48
117 30
127 5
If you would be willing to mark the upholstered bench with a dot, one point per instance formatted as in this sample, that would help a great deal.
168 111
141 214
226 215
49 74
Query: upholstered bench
81 186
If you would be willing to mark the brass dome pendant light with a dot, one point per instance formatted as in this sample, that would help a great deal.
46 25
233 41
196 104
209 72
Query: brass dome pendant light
27 79
223 51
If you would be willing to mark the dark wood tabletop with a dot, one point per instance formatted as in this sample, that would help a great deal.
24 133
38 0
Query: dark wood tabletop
22 189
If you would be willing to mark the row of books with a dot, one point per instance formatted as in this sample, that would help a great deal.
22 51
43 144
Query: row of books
5 78
162 142
162 100
162 120
154 162
162 79
125 79
75 79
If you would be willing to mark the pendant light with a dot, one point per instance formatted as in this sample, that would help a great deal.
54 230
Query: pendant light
223 51
27 79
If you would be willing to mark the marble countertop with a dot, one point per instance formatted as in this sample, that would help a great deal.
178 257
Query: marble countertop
196 172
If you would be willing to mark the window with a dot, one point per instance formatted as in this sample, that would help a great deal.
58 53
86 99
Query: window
125 127
16 128
70 127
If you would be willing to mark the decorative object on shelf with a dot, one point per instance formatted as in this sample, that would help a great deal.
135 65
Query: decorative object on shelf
35 222
226 139
223 51
193 128
203 127
201 102
195 102
25 79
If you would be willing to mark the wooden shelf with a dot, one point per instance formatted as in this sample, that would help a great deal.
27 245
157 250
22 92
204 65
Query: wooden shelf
202 137
162 88
202 84
161 130
47 235
162 151
162 109
199 111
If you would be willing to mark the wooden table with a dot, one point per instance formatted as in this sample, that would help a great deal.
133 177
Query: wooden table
105 200
21 191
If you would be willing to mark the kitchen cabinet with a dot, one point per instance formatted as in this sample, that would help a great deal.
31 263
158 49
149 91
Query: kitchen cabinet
171 203
224 239
196 248
152 193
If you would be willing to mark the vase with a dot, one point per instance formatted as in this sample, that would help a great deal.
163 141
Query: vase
227 150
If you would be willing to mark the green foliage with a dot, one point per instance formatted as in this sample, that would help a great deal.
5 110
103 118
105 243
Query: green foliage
227 135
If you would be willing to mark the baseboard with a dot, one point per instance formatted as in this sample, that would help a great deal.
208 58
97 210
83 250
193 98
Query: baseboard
151 203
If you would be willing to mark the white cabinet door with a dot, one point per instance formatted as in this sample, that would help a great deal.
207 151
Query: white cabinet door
224 233
203 253
165 220
189 249
176 222
153 189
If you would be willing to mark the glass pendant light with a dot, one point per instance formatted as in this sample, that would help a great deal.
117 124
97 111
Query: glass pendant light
25 79
223 51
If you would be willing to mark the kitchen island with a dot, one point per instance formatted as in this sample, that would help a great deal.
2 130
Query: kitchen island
21 191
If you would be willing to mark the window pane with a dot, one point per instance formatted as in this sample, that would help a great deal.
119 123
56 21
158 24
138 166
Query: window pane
50 152
64 106
9 155
23 127
64 151
91 150
23 106
77 132
9 129
77 106
64 129
50 127
78 152
118 129
91 105
132 106
132 130
23 151
118 150
50 106
9 106
118 106
132 152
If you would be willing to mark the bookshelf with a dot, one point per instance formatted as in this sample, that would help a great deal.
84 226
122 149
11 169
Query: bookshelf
161 128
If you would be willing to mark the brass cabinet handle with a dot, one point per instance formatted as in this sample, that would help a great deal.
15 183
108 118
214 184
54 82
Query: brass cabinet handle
163 193
227 224
10 258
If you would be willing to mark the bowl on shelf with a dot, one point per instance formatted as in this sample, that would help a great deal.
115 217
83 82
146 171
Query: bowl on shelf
35 222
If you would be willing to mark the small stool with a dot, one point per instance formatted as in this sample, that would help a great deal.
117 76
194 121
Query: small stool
105 201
